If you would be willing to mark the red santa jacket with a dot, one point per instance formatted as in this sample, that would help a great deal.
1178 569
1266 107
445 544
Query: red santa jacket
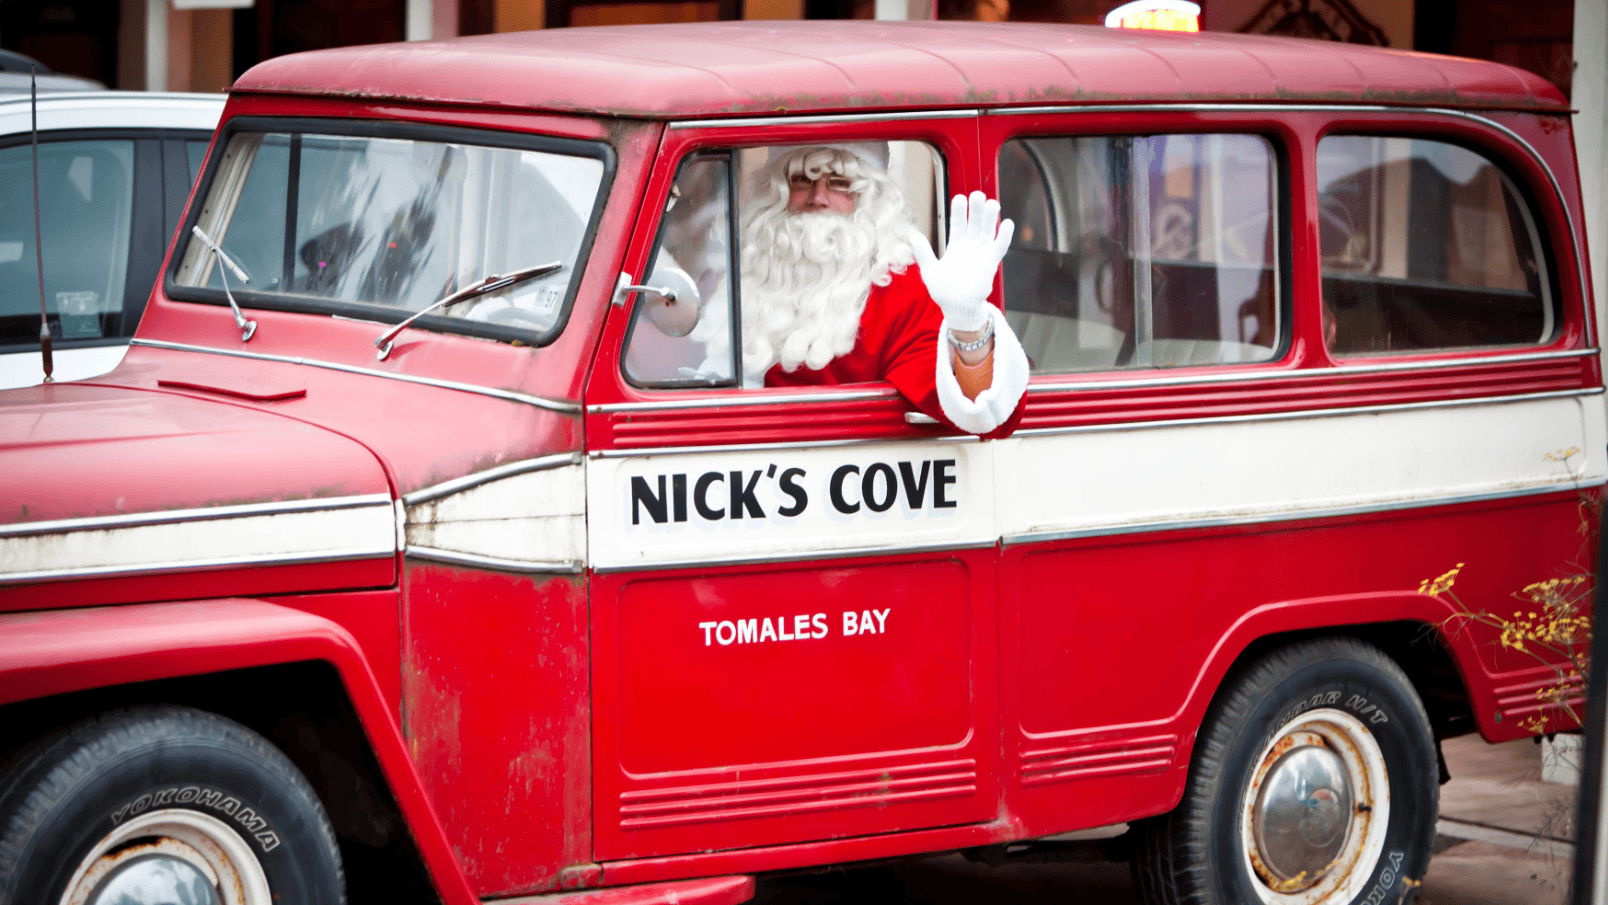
899 343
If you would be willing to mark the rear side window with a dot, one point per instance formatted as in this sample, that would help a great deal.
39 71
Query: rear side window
86 196
1426 245
1142 251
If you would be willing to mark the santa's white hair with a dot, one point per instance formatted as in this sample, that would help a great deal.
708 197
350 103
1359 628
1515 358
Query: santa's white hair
806 275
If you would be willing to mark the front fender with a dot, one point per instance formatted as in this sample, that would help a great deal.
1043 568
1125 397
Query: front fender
58 651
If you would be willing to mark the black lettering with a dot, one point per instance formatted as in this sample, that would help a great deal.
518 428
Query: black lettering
642 496
941 479
915 489
836 487
789 485
742 496
700 490
678 497
868 486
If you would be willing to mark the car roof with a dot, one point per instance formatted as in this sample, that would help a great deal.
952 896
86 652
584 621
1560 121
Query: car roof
761 67
113 110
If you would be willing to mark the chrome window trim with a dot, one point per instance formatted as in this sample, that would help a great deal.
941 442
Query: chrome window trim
727 122
1233 374
1557 188
567 408
192 565
1290 516
453 557
1303 414
747 397
857 553
210 513
506 470
759 447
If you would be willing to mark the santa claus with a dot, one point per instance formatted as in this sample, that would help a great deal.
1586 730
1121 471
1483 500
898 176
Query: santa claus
838 286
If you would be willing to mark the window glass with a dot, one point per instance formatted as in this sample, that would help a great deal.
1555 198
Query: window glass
1141 251
802 267
395 223
86 194
1425 245
195 153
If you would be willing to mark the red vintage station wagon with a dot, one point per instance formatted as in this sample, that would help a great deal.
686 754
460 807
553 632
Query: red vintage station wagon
483 513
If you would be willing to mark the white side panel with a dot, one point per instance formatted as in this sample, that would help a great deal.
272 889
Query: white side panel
1136 477
675 508
537 517
352 532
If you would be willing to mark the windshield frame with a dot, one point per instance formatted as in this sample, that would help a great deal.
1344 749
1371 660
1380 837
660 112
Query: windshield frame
408 131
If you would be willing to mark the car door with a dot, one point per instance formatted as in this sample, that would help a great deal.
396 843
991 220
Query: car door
792 587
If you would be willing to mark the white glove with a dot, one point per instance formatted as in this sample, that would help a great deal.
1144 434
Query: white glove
960 282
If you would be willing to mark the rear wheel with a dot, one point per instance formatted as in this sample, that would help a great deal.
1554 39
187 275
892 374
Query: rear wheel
158 805
1314 781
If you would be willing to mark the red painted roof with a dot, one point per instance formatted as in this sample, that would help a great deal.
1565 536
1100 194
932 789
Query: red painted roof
726 68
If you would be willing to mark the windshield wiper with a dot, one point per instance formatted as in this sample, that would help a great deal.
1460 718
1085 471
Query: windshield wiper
474 290
246 327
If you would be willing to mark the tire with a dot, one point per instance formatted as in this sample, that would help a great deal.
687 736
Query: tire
1246 832
168 796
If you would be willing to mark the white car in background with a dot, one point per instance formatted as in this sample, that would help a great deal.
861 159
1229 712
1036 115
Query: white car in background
115 170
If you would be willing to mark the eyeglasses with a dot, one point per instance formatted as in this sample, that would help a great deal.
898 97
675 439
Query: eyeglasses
800 182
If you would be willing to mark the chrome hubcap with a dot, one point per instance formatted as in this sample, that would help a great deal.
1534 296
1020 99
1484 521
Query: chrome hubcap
1313 820
153 877
170 857
1302 817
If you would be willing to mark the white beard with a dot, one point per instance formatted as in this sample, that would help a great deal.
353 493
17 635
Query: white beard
806 278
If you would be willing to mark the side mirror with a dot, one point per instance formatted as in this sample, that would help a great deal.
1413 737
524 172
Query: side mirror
671 300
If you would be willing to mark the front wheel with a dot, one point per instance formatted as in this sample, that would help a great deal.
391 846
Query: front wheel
1314 781
161 805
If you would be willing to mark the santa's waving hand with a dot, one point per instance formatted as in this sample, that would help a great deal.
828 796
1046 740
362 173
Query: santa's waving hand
982 379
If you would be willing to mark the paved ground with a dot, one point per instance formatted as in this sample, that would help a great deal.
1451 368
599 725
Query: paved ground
1501 843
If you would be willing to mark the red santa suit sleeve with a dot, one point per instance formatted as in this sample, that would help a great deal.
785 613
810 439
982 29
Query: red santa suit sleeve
899 342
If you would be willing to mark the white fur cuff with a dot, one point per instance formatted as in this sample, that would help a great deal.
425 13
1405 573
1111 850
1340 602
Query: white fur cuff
994 405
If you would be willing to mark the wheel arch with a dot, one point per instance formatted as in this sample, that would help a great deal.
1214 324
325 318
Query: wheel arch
296 678
1410 628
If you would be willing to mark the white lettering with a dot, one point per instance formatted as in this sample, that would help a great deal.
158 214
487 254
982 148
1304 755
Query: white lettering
819 620
851 625
747 631
781 629
866 625
882 620
707 627
801 625
767 632
726 633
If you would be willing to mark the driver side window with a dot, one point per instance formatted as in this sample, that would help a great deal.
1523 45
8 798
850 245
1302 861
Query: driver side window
780 245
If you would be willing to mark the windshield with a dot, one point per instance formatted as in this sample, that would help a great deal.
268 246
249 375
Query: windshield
383 227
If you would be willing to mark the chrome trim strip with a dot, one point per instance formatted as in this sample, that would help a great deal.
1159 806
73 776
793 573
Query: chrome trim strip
892 550
1227 374
199 564
814 118
1581 264
1241 374
567 408
1302 414
506 470
749 447
137 519
747 398
1333 512
452 557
